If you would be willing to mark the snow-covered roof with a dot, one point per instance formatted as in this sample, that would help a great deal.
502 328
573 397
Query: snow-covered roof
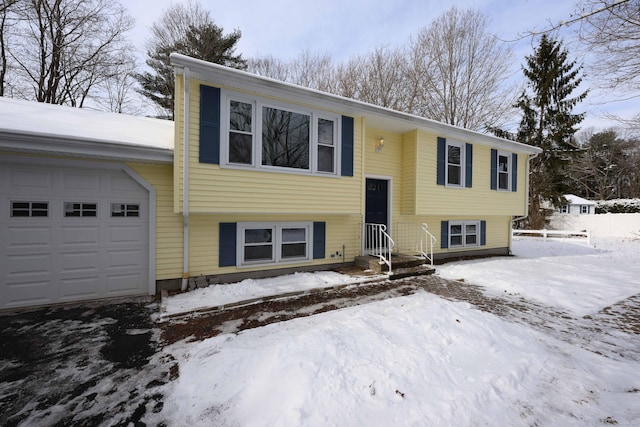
575 200
27 126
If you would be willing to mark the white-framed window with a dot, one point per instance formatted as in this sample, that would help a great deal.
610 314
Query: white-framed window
269 243
563 209
26 209
80 209
125 210
504 171
268 135
584 209
464 234
455 164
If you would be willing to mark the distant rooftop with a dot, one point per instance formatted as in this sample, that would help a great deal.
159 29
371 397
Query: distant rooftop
575 200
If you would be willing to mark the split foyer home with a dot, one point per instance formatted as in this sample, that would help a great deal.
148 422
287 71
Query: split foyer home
256 177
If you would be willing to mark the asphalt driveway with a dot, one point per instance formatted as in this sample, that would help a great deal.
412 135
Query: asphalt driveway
84 365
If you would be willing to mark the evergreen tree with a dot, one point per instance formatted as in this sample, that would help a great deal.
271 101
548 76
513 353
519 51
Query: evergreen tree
548 122
189 30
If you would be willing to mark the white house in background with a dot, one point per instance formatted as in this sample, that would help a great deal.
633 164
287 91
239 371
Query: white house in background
577 206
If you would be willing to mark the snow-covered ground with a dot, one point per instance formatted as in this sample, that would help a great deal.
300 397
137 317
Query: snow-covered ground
249 289
421 360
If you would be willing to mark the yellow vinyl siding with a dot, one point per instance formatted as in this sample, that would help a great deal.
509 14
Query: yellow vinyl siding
168 223
498 229
213 189
433 199
204 238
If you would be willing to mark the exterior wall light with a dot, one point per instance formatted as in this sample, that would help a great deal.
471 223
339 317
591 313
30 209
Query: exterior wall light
379 144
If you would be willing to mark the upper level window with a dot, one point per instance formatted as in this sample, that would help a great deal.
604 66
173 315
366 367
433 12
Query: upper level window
29 209
285 138
504 171
240 132
455 164
265 135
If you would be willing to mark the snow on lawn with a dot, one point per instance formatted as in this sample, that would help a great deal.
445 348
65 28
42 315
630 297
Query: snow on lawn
415 360
566 272
423 360
217 295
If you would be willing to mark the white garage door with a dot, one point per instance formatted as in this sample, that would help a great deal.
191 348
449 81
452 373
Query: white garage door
69 234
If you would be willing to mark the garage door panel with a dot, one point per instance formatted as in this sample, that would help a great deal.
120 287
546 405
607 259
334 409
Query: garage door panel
79 262
80 181
28 265
58 258
127 235
119 284
21 237
80 287
32 292
24 181
120 259
80 236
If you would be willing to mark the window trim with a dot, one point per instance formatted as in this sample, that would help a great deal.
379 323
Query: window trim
277 242
82 209
30 209
463 166
463 225
126 209
258 103
509 172
584 209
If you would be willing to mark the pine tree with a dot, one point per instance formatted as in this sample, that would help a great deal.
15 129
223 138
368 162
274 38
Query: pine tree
186 29
548 122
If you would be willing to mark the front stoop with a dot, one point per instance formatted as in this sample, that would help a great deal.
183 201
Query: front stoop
402 265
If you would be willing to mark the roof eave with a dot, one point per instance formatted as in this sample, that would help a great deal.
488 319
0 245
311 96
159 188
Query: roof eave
34 143
218 74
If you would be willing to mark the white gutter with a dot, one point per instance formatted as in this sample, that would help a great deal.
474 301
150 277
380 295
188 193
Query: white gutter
185 184
526 212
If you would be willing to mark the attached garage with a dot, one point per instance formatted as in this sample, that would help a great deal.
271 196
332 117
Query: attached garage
76 222
68 233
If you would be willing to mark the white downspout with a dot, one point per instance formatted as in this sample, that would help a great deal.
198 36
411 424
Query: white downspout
526 212
185 184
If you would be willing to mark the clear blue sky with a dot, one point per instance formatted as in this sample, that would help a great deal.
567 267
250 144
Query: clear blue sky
343 28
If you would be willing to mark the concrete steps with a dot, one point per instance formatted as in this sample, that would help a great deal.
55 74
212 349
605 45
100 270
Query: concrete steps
402 265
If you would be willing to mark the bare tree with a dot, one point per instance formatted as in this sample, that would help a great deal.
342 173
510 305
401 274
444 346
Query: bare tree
7 15
379 78
310 70
462 71
67 47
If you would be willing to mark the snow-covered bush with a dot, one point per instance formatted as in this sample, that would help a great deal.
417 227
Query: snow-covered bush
618 206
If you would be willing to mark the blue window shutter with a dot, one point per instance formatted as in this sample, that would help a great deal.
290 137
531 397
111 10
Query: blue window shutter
347 146
209 124
442 150
319 239
483 233
514 172
227 246
468 175
494 169
444 234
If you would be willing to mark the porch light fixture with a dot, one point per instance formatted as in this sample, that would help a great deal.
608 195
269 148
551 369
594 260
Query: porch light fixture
379 144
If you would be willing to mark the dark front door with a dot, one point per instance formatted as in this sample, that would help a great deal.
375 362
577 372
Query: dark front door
376 207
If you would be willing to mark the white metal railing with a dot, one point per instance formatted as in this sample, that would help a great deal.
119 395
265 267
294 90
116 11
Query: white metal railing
415 238
376 242
556 233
